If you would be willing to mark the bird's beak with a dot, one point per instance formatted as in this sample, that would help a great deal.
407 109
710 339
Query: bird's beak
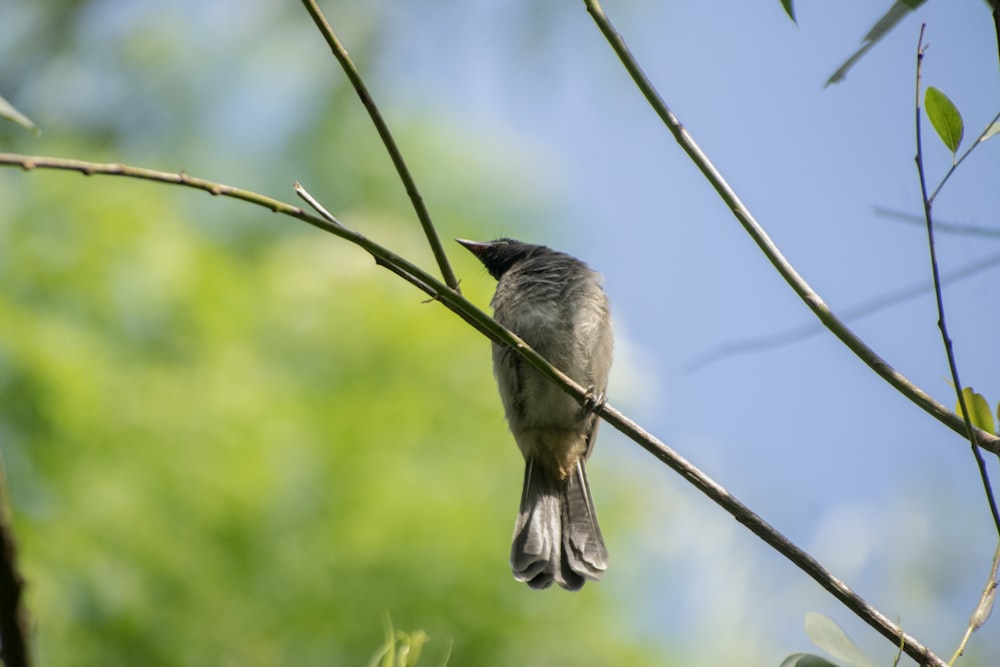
475 247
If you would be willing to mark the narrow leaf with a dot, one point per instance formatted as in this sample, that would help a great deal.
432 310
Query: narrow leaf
827 635
790 10
899 10
944 117
979 410
991 131
8 111
806 660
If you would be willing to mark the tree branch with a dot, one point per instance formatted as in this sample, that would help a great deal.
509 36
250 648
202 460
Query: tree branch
497 333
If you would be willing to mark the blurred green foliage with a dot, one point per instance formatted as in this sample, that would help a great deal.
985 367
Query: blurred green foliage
227 438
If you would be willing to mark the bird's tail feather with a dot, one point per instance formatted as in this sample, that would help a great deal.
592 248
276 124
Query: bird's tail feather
557 537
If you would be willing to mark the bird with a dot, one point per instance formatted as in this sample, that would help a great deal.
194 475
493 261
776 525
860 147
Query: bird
557 305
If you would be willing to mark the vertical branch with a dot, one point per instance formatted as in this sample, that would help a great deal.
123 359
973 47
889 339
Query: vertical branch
985 605
340 53
942 322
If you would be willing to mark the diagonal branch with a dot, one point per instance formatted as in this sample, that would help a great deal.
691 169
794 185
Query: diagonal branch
805 292
497 333
340 53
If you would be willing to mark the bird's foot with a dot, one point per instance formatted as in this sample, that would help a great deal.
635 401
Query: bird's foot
594 401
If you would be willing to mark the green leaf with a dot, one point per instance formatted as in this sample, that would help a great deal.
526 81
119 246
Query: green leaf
8 111
806 660
944 117
979 410
790 10
827 635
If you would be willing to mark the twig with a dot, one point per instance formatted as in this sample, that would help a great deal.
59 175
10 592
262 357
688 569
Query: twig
326 215
340 53
928 203
955 163
495 332
319 208
816 304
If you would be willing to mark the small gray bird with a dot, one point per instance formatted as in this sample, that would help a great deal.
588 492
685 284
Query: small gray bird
555 303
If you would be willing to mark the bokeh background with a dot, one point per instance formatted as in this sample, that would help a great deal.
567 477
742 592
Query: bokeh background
230 439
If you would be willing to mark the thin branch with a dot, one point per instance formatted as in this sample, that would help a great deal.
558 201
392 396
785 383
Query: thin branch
767 246
497 333
949 350
340 53
960 160
319 208
801 559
